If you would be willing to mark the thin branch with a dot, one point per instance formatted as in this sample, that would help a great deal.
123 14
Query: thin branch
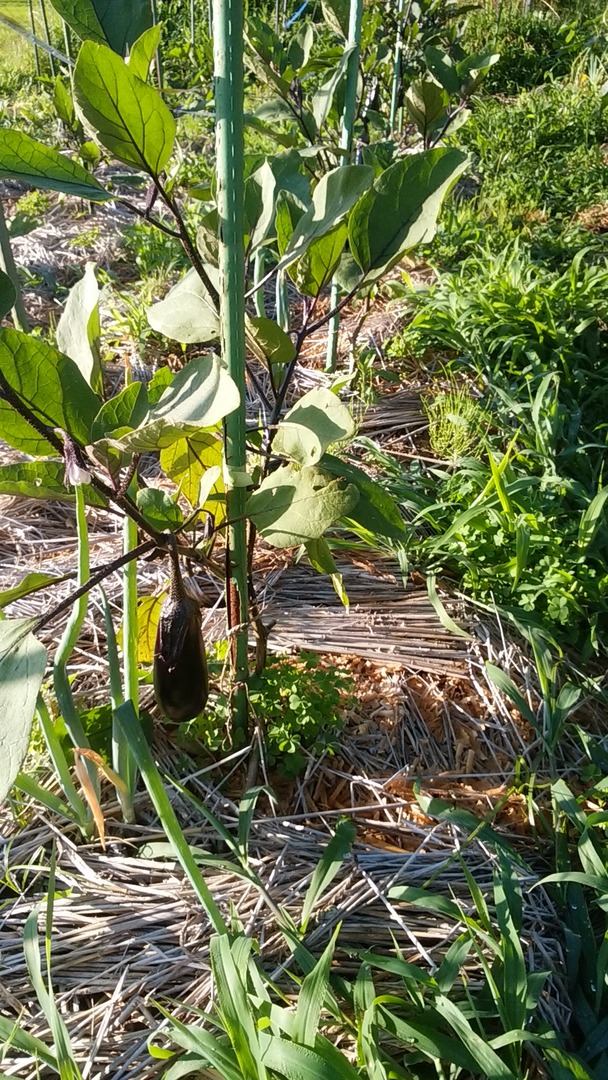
189 245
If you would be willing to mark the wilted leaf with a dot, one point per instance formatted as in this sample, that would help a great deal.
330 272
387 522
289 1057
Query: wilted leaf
187 313
22 665
294 505
129 117
25 159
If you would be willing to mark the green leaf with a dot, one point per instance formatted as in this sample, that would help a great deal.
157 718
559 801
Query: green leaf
129 117
293 1062
487 1059
334 196
426 1037
8 294
440 611
426 102
312 996
126 410
13 1034
187 313
441 67
234 1005
277 346
23 158
159 509
78 330
42 480
143 50
314 270
316 421
259 204
289 210
189 462
201 395
320 557
294 505
336 15
22 436
591 519
375 510
22 667
31 583
49 383
506 685
323 98
62 100
328 866
401 210
117 23
148 615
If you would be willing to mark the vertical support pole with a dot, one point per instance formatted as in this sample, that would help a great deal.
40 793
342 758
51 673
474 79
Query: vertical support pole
47 35
33 26
7 263
346 141
228 64
397 65
157 60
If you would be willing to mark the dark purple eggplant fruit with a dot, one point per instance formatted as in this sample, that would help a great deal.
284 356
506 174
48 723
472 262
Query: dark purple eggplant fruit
181 682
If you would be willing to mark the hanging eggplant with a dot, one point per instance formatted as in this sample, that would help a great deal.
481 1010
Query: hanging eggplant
181 683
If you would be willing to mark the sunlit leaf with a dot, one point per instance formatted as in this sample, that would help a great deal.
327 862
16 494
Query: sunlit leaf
22 665
78 329
23 158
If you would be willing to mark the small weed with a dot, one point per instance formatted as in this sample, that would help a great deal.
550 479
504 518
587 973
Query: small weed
456 423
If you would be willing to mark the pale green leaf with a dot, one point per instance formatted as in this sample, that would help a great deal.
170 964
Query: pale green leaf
333 198
22 665
78 330
187 313
316 421
143 50
294 505
275 343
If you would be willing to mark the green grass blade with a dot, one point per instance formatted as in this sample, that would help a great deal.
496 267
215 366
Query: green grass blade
134 735
489 1062
328 866
67 1067
312 996
235 1007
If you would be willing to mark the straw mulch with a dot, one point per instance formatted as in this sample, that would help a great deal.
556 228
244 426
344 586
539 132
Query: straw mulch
427 723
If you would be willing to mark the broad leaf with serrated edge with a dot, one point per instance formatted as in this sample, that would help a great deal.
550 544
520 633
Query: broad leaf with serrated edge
22 665
294 505
23 158
128 116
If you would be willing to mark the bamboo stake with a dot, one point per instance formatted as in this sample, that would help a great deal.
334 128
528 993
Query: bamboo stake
346 141
228 57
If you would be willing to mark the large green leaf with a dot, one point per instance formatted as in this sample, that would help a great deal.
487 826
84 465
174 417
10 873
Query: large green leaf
275 343
259 200
336 15
187 313
201 395
116 23
143 51
31 583
8 294
316 421
314 270
323 99
126 410
128 116
401 210
289 210
426 102
18 433
22 665
78 329
188 461
42 480
23 158
294 505
334 196
376 510
49 382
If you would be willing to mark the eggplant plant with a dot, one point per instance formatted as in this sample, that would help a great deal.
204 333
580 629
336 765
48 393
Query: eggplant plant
313 218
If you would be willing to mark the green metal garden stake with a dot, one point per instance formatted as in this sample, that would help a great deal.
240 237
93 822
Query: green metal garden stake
346 142
228 57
